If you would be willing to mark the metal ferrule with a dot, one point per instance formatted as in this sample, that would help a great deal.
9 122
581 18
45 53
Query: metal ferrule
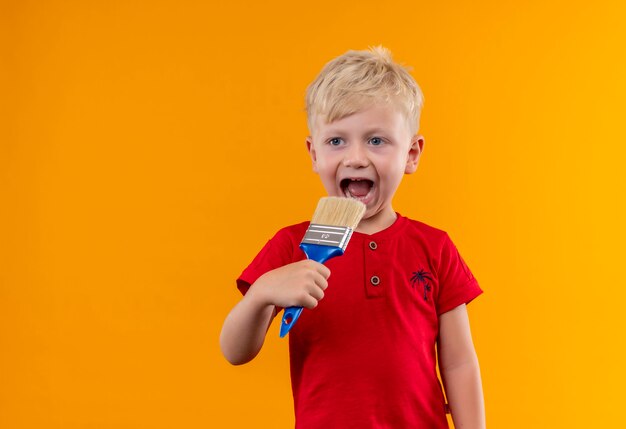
326 235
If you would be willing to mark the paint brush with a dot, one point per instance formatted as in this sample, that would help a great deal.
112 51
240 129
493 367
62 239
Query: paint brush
327 236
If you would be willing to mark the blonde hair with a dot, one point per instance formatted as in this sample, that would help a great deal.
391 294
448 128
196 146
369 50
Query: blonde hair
357 79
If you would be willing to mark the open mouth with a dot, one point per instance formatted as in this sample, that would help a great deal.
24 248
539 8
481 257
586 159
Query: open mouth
359 189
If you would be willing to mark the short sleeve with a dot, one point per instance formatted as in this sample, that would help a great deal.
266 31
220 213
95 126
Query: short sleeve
457 284
278 251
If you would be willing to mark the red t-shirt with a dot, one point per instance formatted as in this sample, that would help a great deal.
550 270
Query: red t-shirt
365 356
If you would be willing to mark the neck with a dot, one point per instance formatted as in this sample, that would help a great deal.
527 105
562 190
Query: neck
377 222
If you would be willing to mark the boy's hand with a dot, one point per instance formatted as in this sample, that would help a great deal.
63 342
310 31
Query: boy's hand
300 284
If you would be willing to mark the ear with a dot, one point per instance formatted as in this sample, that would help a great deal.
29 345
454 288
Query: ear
413 157
311 149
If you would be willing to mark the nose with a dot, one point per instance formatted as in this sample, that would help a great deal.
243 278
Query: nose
355 157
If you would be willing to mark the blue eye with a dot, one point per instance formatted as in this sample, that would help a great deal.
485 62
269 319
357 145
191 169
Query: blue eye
376 141
335 142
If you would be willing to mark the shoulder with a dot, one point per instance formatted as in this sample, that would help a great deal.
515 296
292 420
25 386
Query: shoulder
279 250
292 233
415 229
288 237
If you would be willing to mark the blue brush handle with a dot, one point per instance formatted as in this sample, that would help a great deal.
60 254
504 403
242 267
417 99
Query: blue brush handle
316 253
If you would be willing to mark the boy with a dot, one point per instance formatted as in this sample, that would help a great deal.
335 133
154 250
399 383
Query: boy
364 354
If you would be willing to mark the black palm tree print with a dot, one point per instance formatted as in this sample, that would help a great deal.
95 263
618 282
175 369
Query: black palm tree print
422 276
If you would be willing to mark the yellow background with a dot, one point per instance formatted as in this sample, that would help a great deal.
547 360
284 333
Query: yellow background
148 149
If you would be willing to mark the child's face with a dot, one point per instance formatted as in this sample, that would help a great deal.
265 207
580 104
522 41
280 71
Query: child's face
364 156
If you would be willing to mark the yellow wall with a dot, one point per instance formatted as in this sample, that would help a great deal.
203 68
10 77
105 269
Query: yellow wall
149 148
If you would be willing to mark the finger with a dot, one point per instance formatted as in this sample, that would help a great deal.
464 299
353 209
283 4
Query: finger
316 293
309 302
320 281
322 269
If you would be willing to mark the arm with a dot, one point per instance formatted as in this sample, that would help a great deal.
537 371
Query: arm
299 284
459 370
244 329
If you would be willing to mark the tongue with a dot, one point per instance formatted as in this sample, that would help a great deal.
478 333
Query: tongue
359 188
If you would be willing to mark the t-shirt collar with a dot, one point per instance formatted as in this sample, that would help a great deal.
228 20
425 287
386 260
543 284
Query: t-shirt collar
387 233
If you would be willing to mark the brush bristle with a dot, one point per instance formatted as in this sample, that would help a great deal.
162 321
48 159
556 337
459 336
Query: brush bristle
338 211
